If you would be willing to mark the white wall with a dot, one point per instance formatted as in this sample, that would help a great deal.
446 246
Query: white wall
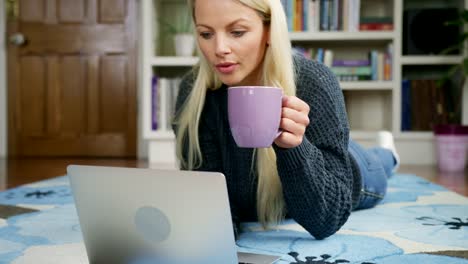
3 89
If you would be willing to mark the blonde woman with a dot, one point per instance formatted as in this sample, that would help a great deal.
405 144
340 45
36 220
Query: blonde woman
313 173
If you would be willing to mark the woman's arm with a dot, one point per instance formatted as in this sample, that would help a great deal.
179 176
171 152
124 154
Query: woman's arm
316 175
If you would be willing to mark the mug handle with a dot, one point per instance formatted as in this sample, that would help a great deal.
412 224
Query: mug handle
279 133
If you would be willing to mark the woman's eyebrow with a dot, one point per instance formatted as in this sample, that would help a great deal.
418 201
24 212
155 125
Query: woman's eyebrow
229 25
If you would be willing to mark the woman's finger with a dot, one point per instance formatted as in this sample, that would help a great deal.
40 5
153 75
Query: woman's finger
296 104
296 116
289 125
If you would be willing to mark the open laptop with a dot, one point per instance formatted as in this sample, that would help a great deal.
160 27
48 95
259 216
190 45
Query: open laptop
136 216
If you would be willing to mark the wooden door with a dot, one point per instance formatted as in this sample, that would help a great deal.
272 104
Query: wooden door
72 84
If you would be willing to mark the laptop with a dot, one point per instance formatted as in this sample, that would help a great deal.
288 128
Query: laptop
136 216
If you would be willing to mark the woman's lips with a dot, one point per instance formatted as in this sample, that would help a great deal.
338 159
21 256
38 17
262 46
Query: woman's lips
226 67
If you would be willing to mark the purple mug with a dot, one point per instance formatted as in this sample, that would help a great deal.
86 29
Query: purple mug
254 114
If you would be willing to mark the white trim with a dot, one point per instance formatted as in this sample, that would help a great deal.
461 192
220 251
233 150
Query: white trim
433 60
340 35
3 83
142 144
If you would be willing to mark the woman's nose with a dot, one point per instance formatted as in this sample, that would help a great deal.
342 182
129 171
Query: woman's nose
222 46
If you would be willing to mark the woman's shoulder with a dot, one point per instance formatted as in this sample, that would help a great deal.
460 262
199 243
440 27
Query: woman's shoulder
311 74
312 69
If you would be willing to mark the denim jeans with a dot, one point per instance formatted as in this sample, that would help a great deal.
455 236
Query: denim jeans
375 165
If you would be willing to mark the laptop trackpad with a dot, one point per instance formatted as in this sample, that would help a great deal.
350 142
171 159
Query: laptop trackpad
251 258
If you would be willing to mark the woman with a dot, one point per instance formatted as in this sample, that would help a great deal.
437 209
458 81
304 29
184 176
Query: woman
312 173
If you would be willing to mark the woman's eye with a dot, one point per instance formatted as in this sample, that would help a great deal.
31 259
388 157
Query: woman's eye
237 33
205 35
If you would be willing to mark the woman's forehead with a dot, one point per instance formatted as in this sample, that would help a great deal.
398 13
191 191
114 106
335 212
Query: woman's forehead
223 11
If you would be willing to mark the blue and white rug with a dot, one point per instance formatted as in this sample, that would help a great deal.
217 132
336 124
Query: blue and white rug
418 222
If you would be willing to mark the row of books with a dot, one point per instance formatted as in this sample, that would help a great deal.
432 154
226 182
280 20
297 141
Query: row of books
331 15
423 104
325 15
163 98
376 67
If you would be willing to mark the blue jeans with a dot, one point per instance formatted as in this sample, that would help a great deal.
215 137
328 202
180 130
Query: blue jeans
375 165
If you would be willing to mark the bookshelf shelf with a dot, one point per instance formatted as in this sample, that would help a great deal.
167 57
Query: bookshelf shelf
173 61
342 36
367 85
363 135
160 135
431 60
415 135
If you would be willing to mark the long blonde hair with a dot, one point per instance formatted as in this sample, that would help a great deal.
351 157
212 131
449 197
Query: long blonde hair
277 71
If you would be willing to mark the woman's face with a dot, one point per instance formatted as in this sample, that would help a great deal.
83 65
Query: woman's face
233 39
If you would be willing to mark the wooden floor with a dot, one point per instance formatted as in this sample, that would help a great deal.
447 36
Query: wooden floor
14 172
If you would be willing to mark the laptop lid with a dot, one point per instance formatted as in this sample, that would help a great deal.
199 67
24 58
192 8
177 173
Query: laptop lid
130 214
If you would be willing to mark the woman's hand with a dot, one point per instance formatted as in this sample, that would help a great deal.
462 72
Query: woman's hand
294 120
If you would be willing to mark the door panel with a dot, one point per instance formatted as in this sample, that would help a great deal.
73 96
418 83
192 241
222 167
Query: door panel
72 84
113 90
112 11
32 91
71 11
73 98
32 10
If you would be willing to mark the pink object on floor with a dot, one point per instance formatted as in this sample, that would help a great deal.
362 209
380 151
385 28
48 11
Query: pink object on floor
451 145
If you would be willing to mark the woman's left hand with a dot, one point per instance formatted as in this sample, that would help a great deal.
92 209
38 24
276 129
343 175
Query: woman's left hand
294 120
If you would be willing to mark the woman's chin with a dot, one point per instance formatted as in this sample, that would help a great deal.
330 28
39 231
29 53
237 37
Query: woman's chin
229 82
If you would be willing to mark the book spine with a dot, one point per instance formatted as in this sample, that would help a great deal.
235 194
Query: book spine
345 16
374 64
324 4
375 26
328 58
320 55
289 14
405 105
305 16
361 70
335 15
352 63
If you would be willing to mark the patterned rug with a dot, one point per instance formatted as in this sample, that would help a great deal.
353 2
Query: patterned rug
418 222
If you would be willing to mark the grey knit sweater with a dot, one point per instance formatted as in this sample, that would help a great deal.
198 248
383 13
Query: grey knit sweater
321 183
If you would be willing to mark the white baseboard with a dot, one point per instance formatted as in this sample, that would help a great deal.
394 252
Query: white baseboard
161 151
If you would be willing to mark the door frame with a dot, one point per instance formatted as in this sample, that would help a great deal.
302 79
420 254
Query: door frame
3 83
142 145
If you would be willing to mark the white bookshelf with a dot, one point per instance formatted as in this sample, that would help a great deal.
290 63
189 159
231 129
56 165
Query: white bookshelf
371 105
367 85
342 36
173 61
431 60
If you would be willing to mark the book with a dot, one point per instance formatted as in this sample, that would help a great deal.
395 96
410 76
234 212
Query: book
351 63
360 70
375 26
313 16
405 105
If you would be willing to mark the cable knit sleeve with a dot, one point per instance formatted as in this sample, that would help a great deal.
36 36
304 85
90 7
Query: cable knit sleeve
317 176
